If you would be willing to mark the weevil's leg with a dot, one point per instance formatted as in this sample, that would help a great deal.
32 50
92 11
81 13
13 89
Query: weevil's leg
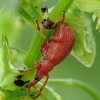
60 20
27 70
47 75
38 27
38 91
28 90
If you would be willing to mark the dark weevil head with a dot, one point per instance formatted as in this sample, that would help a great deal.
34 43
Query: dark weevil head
47 23
37 78
39 74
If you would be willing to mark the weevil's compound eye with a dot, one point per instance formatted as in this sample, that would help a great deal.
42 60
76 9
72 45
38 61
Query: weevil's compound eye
44 9
36 78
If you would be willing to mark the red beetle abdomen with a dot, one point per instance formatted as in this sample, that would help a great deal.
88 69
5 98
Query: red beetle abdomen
57 51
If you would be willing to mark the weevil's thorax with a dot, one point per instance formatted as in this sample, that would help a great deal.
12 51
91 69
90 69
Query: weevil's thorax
44 66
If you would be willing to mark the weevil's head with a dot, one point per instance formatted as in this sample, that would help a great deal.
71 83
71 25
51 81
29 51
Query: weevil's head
43 68
37 78
47 23
39 74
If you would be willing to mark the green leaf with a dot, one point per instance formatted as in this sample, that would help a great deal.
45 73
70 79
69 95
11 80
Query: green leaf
31 8
36 2
12 95
95 15
84 48
73 82
9 65
88 5
15 95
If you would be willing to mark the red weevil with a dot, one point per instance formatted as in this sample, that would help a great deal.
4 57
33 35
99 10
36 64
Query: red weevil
54 50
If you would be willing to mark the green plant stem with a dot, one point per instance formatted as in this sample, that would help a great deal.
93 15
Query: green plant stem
62 5
34 50
30 8
78 84
25 16
54 94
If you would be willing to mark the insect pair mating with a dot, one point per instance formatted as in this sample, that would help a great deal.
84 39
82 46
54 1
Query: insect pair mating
54 50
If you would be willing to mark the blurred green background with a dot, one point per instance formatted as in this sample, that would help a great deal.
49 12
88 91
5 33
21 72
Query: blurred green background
70 67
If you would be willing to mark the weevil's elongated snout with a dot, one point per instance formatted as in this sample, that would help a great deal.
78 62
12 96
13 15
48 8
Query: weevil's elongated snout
39 74
37 78
43 67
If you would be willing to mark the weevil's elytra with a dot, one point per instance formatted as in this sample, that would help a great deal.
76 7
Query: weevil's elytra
54 50
60 44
